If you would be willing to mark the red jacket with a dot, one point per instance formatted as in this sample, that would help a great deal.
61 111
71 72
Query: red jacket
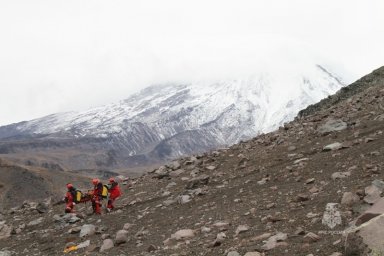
70 196
114 190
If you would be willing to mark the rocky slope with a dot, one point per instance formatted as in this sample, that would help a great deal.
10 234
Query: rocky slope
296 191
18 182
166 121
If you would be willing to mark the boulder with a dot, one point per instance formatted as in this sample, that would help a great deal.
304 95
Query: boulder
311 237
372 194
87 230
368 237
197 181
42 207
333 146
241 229
332 125
121 236
374 211
5 253
107 244
5 230
340 175
183 234
275 241
349 199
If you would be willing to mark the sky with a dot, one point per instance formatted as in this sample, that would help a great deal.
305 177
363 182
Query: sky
71 55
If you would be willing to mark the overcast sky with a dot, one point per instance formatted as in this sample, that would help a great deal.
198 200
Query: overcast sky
71 55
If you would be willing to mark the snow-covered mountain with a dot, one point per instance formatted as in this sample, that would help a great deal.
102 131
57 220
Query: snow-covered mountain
169 120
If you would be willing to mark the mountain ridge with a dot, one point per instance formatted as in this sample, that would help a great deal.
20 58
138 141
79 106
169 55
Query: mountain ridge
221 112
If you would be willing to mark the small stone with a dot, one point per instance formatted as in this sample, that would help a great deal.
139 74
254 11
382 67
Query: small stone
309 181
222 226
233 253
151 248
349 199
219 239
261 237
205 230
127 226
299 231
253 254
183 234
311 237
107 244
302 197
367 140
313 190
340 175
333 146
241 229
372 194
121 236
35 222
87 230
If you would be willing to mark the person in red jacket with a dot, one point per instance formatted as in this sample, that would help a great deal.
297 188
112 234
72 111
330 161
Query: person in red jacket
97 196
70 198
114 193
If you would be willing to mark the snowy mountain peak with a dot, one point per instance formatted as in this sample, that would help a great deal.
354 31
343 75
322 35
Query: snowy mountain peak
173 119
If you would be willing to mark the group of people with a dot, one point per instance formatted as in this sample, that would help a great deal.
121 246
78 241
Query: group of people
111 192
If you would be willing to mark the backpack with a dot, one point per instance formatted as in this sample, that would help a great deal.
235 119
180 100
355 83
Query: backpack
104 192
78 196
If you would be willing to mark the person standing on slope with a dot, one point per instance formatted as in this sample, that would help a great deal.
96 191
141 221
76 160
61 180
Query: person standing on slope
70 198
114 193
97 196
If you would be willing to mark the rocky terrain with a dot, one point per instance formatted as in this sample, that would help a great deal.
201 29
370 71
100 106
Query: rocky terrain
312 187
18 182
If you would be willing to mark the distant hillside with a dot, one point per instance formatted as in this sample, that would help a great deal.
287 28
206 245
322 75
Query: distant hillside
20 182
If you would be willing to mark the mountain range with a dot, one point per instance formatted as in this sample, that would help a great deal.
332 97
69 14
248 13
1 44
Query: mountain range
166 121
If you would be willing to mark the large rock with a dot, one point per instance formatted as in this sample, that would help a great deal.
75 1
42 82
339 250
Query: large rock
42 207
87 230
333 146
196 182
5 253
121 236
376 210
183 234
332 215
349 199
241 229
5 230
340 175
332 125
369 236
372 194
107 244
275 241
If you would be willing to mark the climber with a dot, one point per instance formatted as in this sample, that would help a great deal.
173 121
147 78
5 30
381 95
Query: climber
97 196
70 198
114 193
